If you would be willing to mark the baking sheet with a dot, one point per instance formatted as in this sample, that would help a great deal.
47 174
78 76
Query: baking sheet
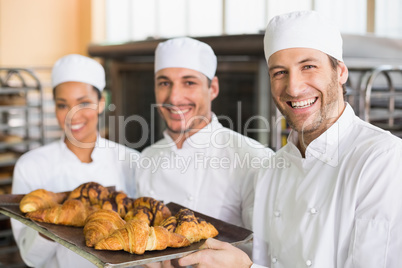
73 237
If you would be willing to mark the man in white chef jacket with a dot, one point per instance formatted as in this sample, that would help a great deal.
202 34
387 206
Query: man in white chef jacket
199 163
338 201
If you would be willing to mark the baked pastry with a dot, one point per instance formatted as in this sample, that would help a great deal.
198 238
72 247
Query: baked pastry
101 224
160 238
40 199
118 201
193 228
90 193
169 223
140 213
72 212
206 229
157 208
137 237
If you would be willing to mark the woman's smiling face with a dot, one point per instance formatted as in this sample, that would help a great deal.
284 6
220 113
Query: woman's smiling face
77 110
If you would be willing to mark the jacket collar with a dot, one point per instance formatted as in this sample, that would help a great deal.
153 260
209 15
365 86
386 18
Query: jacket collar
326 146
100 142
199 140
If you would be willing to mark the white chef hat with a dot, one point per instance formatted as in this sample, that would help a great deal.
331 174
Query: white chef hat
185 52
302 29
78 68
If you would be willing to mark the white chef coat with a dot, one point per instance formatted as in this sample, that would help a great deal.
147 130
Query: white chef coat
55 168
340 206
211 174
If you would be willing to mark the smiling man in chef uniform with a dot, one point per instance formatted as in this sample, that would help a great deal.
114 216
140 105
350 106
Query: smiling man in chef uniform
337 203
214 173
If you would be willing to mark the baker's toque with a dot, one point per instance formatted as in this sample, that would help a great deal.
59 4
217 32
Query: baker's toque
302 29
78 68
185 52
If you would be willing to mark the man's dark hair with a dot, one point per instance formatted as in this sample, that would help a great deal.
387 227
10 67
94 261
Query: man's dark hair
209 82
334 64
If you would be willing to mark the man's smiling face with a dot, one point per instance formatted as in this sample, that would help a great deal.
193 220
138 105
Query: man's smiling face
306 88
184 99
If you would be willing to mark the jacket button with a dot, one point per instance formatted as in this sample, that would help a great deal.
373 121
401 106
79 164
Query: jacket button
274 260
277 213
309 263
313 211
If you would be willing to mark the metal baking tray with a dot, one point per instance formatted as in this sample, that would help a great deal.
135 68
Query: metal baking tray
73 237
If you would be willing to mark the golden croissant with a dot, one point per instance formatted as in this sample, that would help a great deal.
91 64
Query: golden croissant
193 228
90 193
140 213
206 229
137 237
118 201
169 223
40 199
101 224
72 212
157 208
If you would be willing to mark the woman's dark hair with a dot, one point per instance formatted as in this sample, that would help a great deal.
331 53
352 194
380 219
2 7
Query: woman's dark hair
95 88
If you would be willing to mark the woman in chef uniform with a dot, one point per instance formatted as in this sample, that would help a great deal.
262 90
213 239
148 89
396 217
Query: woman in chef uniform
80 156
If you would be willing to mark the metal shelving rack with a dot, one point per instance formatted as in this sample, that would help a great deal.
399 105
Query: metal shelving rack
377 96
21 129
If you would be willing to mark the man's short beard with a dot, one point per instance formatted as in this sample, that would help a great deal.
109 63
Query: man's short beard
314 126
323 112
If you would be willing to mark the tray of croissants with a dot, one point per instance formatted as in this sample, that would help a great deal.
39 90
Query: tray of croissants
113 230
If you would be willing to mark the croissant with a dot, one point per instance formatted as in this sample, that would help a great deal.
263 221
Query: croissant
118 201
40 198
72 212
160 238
169 223
137 237
132 238
140 213
90 193
193 229
158 209
100 224
206 229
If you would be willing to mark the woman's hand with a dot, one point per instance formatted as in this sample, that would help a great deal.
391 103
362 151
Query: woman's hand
217 254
